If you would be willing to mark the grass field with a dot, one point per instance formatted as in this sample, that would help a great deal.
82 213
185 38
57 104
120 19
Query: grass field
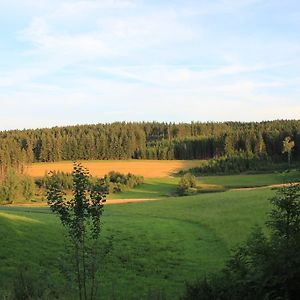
253 180
151 188
146 168
162 187
157 246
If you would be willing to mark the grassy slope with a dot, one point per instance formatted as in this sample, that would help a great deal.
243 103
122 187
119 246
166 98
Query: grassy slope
157 245
255 180
151 188
161 187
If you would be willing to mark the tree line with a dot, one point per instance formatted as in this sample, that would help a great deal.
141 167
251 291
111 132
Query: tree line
234 164
146 140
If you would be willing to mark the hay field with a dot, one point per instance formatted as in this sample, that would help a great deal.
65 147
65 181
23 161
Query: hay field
146 168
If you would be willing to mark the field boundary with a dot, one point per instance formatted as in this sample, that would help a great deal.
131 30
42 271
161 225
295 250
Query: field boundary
108 202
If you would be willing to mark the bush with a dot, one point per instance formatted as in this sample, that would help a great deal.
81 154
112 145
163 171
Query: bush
10 186
15 186
115 182
187 184
28 187
28 285
119 182
64 180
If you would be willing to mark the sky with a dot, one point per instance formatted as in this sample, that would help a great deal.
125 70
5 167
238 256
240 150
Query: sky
66 62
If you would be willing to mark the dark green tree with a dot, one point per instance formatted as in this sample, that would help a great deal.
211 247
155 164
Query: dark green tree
28 187
10 186
287 147
81 217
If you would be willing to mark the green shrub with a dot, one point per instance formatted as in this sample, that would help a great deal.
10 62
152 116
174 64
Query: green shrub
10 186
15 186
115 182
28 187
64 180
28 285
187 184
119 182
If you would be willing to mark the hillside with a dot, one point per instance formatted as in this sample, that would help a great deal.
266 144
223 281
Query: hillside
163 141
157 245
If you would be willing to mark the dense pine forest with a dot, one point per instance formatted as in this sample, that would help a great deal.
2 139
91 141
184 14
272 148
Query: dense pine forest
147 140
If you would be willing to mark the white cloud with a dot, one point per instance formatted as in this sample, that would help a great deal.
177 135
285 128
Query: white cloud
89 100
98 61
187 76
79 45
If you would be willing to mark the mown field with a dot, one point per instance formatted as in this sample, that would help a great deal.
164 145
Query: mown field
146 168
157 246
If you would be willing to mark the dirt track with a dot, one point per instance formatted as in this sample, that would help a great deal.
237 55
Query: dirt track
262 187
132 200
108 202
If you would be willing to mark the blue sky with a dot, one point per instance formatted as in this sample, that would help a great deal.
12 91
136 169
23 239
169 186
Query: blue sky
77 62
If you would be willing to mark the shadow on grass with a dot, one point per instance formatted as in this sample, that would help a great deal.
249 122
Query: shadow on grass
151 189
29 240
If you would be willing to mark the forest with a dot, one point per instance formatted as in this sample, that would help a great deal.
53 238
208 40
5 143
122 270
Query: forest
147 140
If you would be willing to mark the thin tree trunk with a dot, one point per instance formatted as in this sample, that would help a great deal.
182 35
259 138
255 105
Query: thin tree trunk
78 271
84 271
94 269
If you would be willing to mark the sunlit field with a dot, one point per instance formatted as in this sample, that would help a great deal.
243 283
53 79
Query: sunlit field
157 245
165 187
146 168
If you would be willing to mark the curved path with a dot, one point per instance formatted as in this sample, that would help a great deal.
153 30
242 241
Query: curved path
108 202
262 187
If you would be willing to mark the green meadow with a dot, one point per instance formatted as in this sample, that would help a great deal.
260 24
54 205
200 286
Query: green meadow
165 187
151 188
252 180
156 246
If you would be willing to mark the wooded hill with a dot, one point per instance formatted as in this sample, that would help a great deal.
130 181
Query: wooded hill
147 140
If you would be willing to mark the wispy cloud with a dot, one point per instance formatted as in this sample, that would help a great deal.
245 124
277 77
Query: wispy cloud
91 61
63 44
